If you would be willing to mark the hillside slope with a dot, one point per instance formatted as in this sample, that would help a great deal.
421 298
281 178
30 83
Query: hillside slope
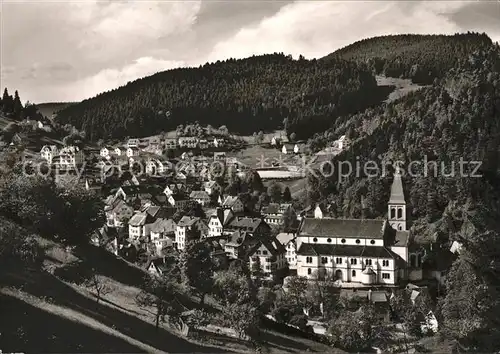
421 58
49 108
245 95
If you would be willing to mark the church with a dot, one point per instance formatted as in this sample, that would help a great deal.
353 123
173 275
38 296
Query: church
360 252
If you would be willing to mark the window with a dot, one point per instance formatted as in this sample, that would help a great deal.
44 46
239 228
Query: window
267 267
338 260
358 241
258 252
309 259
343 240
264 252
354 261
353 273
324 260
385 263
386 276
329 240
393 213
315 239
400 213
372 242
368 262
309 271
268 259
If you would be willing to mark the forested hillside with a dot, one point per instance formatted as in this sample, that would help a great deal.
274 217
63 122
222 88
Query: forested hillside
246 95
421 58
456 119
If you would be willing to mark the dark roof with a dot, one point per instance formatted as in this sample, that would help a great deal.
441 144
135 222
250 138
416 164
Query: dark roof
309 249
270 243
199 195
188 221
238 238
272 208
328 227
248 224
163 225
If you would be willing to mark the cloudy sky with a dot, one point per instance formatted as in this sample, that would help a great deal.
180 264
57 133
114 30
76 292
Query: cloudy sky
71 50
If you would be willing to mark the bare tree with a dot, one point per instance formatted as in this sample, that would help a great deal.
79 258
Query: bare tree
160 293
99 284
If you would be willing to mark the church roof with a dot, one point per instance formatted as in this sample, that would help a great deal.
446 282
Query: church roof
329 227
397 193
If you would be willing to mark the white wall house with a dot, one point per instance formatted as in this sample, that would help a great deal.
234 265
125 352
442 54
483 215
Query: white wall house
48 152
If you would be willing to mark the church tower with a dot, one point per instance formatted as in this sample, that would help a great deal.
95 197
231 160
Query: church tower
397 205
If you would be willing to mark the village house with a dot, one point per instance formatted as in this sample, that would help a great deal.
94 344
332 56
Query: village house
233 203
156 167
133 143
218 220
257 227
162 234
275 141
132 151
220 156
186 225
48 152
118 151
290 148
189 142
212 187
104 152
156 266
203 144
238 244
358 252
218 142
201 197
178 200
171 143
140 223
118 213
270 253
287 239
69 157
273 213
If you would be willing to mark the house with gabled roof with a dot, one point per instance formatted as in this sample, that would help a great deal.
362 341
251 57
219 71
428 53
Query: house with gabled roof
212 187
288 239
218 221
270 253
201 197
48 152
184 226
238 244
163 234
234 203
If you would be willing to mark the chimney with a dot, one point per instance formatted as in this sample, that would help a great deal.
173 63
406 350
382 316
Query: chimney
370 295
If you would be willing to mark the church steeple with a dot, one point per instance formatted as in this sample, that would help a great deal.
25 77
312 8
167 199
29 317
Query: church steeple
397 204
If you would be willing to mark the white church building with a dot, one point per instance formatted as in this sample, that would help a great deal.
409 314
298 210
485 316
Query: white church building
360 252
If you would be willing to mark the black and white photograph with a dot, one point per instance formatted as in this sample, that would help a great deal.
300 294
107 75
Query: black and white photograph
249 176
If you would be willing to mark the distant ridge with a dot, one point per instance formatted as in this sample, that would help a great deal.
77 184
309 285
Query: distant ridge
421 58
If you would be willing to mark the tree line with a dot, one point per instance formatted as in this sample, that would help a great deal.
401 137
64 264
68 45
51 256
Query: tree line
239 94
421 58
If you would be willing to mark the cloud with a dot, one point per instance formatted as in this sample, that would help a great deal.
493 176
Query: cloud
315 29
109 79
79 48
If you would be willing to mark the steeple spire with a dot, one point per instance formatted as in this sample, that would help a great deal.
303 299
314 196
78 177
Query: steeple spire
396 207
397 193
